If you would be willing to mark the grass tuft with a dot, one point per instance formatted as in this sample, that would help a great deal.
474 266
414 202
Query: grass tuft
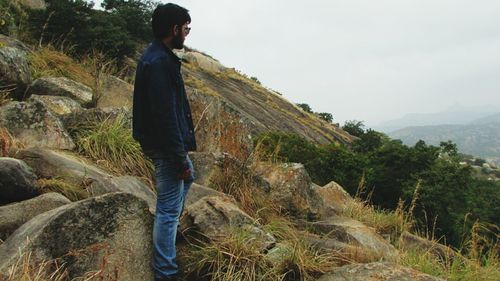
478 260
8 142
235 257
235 178
24 269
47 61
110 144
70 191
304 262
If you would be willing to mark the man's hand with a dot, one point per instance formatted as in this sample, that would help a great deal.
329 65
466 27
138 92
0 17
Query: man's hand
183 170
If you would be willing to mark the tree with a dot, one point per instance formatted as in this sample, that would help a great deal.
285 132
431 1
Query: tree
354 127
305 107
370 141
326 116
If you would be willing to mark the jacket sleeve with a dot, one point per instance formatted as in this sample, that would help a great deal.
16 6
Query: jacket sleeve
164 107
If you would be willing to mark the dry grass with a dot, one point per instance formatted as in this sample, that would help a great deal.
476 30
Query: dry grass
200 86
233 177
70 191
477 260
393 223
24 269
99 67
8 142
27 268
110 144
300 261
5 91
303 262
47 61
236 257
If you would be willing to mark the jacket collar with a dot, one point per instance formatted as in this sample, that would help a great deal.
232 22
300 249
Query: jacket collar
159 43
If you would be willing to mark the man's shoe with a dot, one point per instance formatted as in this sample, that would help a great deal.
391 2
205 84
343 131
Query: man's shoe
170 278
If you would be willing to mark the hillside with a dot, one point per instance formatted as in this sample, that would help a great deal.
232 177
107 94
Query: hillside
67 152
260 108
78 197
480 138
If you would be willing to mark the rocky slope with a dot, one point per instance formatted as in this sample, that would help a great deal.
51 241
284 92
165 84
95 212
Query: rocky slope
102 230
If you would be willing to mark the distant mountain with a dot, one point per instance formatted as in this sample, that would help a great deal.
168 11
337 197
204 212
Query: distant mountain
480 137
453 115
488 119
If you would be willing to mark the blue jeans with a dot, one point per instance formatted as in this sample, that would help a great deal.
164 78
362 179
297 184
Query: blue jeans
171 194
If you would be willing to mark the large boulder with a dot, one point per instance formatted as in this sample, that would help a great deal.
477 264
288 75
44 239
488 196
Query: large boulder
346 253
215 217
90 117
34 125
210 167
410 241
59 105
377 271
17 181
115 93
61 86
205 164
16 214
356 234
334 197
292 189
15 72
74 170
34 4
201 60
197 192
110 233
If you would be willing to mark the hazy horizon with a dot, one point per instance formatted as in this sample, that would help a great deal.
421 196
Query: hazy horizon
359 59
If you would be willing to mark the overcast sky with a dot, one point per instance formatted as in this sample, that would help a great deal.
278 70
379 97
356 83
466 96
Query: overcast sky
359 59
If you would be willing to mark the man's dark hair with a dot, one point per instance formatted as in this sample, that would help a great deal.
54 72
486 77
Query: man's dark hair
166 16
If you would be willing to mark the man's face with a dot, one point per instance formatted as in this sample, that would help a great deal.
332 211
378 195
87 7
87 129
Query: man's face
180 34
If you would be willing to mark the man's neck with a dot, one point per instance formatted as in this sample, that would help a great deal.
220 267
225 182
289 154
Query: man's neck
168 43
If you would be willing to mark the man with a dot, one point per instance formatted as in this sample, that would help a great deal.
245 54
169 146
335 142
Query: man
162 124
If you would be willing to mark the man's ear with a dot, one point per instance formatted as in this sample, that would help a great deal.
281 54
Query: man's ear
175 30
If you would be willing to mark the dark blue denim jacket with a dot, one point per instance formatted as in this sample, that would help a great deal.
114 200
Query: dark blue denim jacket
162 121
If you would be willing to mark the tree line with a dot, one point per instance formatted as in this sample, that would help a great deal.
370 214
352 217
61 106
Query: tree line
119 30
449 197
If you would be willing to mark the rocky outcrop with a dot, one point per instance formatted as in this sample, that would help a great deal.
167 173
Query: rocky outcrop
197 192
115 93
355 234
409 241
229 95
209 167
16 214
90 117
204 164
34 4
215 217
111 233
334 197
203 61
74 170
14 68
61 86
17 181
377 271
34 125
291 188
58 105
